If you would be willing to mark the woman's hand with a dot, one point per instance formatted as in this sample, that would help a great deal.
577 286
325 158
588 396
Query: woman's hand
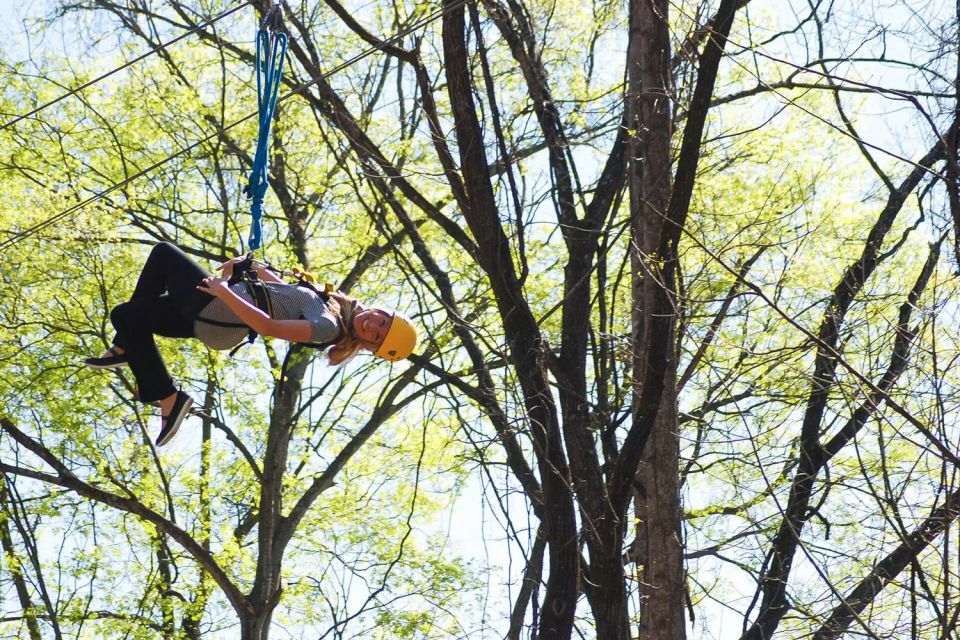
227 267
215 285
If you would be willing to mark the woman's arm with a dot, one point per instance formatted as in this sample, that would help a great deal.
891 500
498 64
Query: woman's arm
265 274
291 330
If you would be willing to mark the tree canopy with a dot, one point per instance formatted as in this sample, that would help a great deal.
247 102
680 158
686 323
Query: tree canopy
684 275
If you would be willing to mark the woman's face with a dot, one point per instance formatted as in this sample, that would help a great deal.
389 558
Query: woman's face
371 325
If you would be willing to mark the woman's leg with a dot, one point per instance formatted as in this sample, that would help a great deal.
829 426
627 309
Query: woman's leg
136 322
170 270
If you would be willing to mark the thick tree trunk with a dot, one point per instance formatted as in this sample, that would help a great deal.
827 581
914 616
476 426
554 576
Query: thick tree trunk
662 576
609 602
660 561
256 626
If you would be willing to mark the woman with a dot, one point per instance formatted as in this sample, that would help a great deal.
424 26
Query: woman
176 298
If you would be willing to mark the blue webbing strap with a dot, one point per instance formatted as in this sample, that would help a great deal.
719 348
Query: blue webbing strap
271 51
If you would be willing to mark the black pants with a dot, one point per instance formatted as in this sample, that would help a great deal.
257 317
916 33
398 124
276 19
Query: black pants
165 302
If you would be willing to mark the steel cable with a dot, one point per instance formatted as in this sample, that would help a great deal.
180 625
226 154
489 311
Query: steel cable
122 67
22 235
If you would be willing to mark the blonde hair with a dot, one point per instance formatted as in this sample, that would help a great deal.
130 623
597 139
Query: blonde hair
348 345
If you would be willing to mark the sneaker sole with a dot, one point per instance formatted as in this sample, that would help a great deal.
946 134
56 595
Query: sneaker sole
115 365
165 438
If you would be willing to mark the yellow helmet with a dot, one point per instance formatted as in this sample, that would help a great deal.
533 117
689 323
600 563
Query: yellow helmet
400 339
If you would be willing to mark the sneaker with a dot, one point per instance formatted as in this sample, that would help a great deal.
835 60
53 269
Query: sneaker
109 360
171 422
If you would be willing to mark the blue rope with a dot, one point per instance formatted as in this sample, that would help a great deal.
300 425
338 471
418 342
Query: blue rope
271 51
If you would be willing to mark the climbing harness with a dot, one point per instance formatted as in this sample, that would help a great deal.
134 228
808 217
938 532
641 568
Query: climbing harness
401 335
271 52
245 272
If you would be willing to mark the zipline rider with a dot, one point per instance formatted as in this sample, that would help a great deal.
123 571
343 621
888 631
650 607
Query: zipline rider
174 297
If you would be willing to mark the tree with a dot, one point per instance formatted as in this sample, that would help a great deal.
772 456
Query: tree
216 530
612 226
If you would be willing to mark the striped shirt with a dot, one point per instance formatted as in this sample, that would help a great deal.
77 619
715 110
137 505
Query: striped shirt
223 329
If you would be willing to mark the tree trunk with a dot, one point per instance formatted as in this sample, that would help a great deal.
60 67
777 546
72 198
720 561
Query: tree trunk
527 346
660 561
256 626
609 602
662 576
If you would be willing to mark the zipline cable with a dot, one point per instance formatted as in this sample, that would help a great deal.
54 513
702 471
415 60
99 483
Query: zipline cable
121 68
22 235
